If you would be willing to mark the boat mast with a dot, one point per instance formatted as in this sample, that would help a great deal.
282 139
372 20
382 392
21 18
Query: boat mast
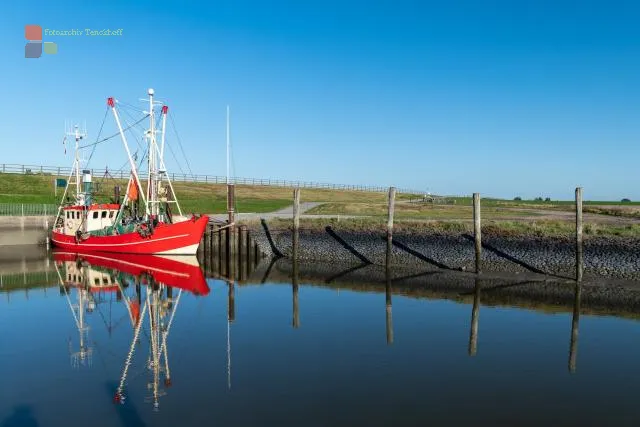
227 145
76 165
151 184
111 103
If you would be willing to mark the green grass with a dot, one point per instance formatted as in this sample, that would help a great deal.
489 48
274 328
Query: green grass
468 201
417 211
545 228
193 197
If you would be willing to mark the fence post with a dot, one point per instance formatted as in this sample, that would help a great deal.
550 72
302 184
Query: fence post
579 260
22 208
477 231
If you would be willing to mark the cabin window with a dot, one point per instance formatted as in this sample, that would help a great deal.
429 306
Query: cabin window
69 276
105 281
77 215
96 281
95 215
104 214
67 214
111 214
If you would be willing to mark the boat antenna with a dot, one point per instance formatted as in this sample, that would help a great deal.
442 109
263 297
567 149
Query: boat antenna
227 144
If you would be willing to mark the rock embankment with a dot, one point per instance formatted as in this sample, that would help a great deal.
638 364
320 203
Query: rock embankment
612 257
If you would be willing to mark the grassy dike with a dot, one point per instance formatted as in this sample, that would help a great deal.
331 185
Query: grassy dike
193 197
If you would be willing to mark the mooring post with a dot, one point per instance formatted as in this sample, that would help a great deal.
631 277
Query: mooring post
215 240
205 241
477 230
573 346
475 313
256 253
231 225
391 207
242 252
579 260
389 318
296 222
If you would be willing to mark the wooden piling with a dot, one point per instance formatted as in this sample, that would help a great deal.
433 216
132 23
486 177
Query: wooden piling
390 211
231 200
242 252
477 231
579 247
296 209
475 313
215 241
256 253
573 345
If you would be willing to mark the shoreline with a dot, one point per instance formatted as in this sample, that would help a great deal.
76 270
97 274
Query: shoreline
615 257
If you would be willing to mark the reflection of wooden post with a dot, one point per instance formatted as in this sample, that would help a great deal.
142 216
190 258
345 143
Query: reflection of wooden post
579 266
231 302
573 346
477 232
389 318
475 313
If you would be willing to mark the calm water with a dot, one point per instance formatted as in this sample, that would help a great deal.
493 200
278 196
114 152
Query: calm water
349 361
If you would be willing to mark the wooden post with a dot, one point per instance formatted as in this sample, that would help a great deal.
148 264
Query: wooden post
477 231
475 313
256 253
231 190
296 209
391 206
579 260
296 223
573 346
247 251
215 240
242 260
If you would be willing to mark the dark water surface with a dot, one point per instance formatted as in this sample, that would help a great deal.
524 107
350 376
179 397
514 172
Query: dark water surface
350 359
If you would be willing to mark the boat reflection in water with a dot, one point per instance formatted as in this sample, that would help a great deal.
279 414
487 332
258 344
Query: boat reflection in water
150 312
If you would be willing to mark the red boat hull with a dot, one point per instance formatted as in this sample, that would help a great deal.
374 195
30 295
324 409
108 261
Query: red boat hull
181 238
182 274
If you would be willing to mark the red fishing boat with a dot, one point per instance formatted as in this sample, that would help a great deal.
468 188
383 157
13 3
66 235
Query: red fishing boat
144 222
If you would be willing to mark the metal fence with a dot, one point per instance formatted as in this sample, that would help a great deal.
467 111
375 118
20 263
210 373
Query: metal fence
27 209
56 171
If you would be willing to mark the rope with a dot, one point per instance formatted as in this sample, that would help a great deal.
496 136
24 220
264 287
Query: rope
104 119
112 136
173 126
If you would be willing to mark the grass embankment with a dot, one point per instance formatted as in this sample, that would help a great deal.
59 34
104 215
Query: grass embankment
545 228
193 197
417 211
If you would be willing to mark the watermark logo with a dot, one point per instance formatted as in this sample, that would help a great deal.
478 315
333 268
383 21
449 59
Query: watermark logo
35 45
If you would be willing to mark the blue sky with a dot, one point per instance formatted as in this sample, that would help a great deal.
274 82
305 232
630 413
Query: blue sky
527 98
